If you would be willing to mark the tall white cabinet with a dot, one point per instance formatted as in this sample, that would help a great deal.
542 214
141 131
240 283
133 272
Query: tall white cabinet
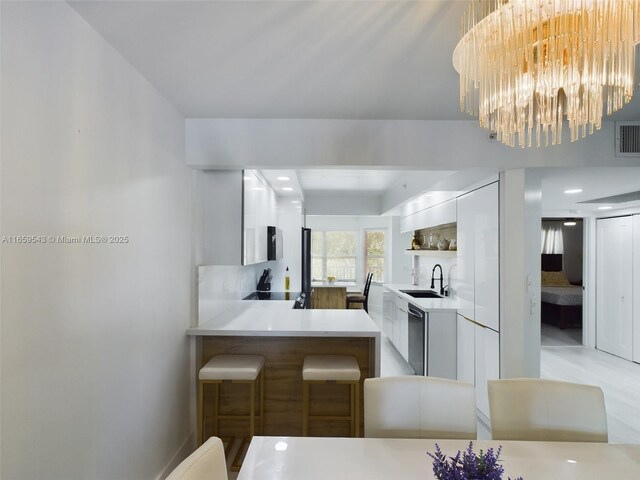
478 321
614 292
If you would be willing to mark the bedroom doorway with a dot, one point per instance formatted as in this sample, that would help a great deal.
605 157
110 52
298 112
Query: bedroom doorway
561 262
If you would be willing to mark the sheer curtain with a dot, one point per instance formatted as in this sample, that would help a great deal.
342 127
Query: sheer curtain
552 239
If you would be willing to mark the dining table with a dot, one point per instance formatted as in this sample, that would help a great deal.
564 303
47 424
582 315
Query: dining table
324 458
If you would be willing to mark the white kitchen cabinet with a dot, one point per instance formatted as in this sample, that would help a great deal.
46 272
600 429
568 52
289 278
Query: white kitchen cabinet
478 359
478 338
441 344
466 360
395 322
232 207
486 256
429 217
487 363
466 255
260 211
402 321
220 217
614 295
388 314
636 287
478 256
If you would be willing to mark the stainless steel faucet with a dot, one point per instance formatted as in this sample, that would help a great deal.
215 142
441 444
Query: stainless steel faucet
441 278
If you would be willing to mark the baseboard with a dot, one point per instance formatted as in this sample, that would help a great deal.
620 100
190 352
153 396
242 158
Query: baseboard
187 447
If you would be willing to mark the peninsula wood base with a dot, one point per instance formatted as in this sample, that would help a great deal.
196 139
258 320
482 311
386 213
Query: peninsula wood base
283 383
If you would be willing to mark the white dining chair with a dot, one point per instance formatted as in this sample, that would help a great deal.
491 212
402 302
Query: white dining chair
546 410
419 407
206 463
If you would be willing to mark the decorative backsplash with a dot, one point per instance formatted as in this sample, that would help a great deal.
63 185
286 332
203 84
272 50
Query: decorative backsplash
221 286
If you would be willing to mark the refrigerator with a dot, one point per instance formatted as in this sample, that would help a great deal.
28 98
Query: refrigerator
305 288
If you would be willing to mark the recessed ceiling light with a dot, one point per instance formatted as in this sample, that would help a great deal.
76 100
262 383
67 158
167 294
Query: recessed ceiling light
295 201
573 190
570 224
284 179
287 189
246 178
605 208
574 211
258 188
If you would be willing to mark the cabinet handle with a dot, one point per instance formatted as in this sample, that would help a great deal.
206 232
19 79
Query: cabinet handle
473 321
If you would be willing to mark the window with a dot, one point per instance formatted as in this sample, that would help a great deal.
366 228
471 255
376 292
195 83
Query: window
374 254
333 254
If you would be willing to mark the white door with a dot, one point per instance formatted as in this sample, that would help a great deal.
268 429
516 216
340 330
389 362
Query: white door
614 286
465 352
487 346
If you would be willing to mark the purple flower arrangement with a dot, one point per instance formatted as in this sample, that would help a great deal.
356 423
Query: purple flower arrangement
468 465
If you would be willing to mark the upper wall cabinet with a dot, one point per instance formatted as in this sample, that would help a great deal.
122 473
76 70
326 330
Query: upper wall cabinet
260 210
234 209
429 217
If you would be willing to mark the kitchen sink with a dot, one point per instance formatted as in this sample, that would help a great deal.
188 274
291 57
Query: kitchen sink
421 293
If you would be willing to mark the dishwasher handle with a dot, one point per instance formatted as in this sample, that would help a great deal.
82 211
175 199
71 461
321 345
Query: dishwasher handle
415 311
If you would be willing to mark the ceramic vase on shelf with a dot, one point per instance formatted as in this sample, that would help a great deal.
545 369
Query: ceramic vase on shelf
443 244
416 244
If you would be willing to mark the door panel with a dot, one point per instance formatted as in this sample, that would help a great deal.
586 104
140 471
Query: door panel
465 352
487 343
614 286
486 246
466 254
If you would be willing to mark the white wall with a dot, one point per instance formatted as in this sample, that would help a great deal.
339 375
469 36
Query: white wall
442 145
95 364
520 226
345 204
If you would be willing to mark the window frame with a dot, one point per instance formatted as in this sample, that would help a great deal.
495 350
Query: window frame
366 256
324 256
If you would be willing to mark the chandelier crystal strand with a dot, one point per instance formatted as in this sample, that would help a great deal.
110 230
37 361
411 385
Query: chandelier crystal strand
527 65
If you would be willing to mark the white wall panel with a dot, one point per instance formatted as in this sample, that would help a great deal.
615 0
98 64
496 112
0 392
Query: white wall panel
96 369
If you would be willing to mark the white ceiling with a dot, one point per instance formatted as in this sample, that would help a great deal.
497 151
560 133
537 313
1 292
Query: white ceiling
594 182
291 59
317 59
294 59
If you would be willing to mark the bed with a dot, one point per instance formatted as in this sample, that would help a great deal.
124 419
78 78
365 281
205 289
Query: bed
561 302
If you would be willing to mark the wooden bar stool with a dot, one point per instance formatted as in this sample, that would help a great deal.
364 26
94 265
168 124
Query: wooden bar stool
235 369
341 369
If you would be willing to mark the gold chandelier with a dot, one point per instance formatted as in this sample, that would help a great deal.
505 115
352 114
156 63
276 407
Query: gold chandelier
526 64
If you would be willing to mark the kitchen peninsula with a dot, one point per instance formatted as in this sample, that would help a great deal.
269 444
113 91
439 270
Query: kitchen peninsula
284 336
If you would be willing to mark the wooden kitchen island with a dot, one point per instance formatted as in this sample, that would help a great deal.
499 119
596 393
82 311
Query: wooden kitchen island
284 336
332 295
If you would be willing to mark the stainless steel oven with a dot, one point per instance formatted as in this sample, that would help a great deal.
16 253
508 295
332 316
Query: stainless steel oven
416 339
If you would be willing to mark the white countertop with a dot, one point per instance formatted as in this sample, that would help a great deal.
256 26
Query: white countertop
350 286
262 318
315 458
447 304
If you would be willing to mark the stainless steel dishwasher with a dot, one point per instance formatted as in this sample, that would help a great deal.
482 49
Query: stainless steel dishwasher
432 343
417 325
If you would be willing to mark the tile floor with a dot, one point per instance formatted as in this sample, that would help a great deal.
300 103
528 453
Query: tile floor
555 337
